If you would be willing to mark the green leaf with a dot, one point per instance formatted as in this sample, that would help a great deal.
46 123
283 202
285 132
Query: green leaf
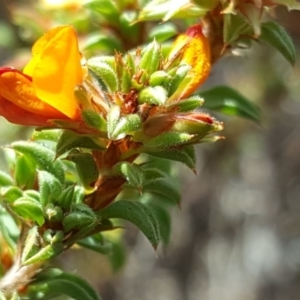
135 213
186 155
25 172
229 101
132 173
163 217
96 243
188 104
66 198
69 140
234 27
106 8
67 284
150 58
162 32
78 220
164 188
126 125
87 168
30 243
168 140
5 179
11 194
51 135
106 73
113 118
49 186
155 95
117 256
29 209
275 35
46 253
291 4
94 120
43 156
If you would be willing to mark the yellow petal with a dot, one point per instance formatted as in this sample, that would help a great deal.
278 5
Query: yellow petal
18 89
196 53
56 69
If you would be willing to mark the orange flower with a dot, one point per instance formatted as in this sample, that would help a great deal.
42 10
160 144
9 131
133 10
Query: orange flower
195 53
45 89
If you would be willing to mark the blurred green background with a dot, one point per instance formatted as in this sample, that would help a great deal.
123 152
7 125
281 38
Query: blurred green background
237 235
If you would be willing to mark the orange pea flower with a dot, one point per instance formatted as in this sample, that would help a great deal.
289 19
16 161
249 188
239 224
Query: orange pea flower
45 89
195 50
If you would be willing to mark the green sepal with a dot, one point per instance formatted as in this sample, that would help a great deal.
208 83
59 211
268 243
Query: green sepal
185 155
11 194
42 156
30 245
106 73
126 125
186 105
5 179
135 213
46 253
86 168
150 59
156 95
162 32
229 101
94 120
55 282
132 172
168 140
25 172
97 41
69 140
275 35
49 186
29 209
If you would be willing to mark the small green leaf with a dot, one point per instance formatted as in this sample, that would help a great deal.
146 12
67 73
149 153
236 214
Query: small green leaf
117 256
162 32
46 253
78 220
69 140
87 168
106 73
43 156
178 79
186 155
150 58
30 243
96 243
155 95
113 118
165 188
126 125
66 198
49 186
51 135
5 179
168 140
188 104
229 101
25 172
132 173
275 35
106 8
234 27
291 4
11 194
135 213
29 209
94 120
66 284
